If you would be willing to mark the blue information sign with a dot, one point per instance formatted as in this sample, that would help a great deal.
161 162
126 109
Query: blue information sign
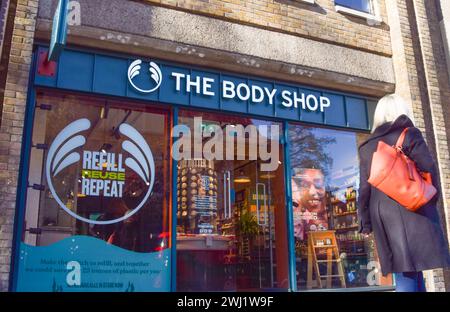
59 30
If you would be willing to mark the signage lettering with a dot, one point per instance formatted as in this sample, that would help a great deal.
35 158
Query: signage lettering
244 92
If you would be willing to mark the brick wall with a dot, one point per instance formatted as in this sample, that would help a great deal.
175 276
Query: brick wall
429 91
319 21
12 125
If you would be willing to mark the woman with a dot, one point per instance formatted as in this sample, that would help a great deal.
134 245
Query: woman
407 242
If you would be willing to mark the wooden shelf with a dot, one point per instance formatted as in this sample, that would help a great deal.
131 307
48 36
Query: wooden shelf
324 246
345 214
351 241
357 254
334 202
347 228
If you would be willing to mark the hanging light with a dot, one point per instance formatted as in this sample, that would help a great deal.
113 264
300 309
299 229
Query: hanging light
241 178
268 175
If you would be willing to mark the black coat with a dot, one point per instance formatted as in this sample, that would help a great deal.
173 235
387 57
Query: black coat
406 241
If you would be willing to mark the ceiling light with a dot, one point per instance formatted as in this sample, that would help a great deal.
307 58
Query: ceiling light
268 175
241 178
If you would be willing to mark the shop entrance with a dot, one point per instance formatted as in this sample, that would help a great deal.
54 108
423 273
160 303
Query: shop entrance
231 222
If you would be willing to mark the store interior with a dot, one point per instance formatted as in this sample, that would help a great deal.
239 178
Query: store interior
230 233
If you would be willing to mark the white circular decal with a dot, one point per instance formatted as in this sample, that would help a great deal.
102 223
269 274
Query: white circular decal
62 154
155 74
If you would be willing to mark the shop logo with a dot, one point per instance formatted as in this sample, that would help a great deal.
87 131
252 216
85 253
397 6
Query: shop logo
102 173
155 74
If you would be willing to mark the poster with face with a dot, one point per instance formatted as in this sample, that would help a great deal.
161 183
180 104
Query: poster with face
308 194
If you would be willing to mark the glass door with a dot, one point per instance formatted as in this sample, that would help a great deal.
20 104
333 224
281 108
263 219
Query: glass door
231 221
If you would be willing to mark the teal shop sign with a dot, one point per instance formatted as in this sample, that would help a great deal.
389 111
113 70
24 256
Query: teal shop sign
83 263
59 30
159 81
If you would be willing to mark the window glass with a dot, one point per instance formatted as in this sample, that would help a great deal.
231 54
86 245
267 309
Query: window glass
360 5
98 216
330 253
231 220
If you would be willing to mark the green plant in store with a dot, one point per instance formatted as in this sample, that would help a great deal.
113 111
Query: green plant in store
248 225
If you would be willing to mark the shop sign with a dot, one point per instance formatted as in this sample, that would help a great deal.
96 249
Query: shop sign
155 81
95 181
200 85
84 263
59 30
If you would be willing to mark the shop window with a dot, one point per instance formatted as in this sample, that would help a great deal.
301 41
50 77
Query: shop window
231 219
330 252
97 218
359 5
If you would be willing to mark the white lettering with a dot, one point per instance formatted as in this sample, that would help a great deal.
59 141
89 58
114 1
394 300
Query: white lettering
120 167
270 94
74 14
287 101
74 276
241 96
113 192
298 100
120 184
85 186
193 83
324 102
106 188
178 77
257 98
207 85
228 89
102 160
87 160
315 101
95 161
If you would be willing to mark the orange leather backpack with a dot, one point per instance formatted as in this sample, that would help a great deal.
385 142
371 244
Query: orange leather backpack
393 173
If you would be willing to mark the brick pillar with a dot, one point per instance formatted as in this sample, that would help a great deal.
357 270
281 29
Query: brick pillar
426 83
438 87
12 123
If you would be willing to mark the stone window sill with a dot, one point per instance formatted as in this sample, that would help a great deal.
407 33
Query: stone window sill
369 17
307 1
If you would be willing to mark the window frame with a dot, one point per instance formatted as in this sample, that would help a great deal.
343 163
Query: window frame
372 17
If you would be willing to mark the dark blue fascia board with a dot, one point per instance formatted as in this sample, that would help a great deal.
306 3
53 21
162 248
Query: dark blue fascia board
106 74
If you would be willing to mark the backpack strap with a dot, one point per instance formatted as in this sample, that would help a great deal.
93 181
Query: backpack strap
401 139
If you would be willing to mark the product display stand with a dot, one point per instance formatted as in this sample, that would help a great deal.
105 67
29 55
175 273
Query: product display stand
323 243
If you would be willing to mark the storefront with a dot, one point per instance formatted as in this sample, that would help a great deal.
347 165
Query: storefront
106 203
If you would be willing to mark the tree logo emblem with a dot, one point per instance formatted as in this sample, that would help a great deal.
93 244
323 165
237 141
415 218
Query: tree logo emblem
134 70
63 153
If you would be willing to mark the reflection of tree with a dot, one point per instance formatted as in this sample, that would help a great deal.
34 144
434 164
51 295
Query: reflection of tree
308 150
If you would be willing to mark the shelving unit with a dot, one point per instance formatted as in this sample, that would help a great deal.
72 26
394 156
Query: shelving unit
345 214
346 229
344 222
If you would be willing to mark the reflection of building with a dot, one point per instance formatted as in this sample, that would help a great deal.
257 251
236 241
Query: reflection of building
344 55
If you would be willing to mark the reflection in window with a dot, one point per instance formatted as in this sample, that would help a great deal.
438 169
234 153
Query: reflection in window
330 252
360 5
231 221
101 190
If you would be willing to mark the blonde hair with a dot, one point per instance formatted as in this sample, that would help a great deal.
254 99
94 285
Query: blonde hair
389 108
